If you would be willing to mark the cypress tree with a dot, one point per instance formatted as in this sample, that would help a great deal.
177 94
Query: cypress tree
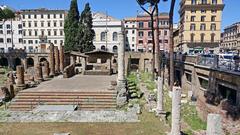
71 27
85 30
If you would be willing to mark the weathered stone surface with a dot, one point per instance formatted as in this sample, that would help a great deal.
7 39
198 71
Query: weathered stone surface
176 111
56 60
11 79
159 108
69 71
20 77
214 125
38 73
6 93
61 58
46 70
51 60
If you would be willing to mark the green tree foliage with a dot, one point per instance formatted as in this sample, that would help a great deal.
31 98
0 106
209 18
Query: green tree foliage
6 13
85 30
71 27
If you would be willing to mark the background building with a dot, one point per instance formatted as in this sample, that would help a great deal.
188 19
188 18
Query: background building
200 25
41 27
130 25
231 38
106 32
11 33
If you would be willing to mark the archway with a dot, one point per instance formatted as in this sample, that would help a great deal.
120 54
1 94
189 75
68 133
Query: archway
103 48
30 62
3 62
115 48
43 59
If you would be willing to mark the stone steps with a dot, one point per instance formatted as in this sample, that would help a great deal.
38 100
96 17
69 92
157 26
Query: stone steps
28 100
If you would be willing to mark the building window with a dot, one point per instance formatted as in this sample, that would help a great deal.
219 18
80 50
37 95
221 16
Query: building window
103 48
19 26
140 24
192 18
30 33
29 24
192 27
24 33
36 41
214 11
42 24
23 24
8 26
214 1
213 26
193 11
48 16
149 34
140 41
133 31
149 41
61 24
55 41
35 16
202 37
20 32
204 1
54 15
29 16
140 34
1 40
36 33
115 36
9 40
115 48
133 38
149 24
35 24
20 40
213 18
165 32
49 33
49 24
55 24
55 33
42 32
30 42
8 31
60 15
203 11
193 2
61 33
192 37
23 16
1 31
41 15
203 18
103 36
203 27
212 37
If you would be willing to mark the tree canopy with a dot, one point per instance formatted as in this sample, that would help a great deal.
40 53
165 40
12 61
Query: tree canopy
6 13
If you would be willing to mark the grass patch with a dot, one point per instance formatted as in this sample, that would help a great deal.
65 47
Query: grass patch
3 77
146 78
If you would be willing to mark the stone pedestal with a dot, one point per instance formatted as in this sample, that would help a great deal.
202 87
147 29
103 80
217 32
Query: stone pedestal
84 64
46 70
20 77
176 111
51 60
214 125
121 86
57 61
159 109
61 58
38 73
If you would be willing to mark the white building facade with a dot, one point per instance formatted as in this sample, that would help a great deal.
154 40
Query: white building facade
42 27
11 34
106 30
130 25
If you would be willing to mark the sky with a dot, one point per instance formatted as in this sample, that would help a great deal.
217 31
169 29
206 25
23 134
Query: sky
119 8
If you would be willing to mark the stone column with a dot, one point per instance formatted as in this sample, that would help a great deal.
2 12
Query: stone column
214 126
57 62
46 69
38 73
176 110
11 79
159 109
11 90
51 60
24 61
20 77
84 64
121 82
72 60
61 58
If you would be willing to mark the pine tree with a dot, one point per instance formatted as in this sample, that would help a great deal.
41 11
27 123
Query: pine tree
71 27
85 30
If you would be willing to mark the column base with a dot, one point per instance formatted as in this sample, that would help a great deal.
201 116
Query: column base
21 86
122 93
